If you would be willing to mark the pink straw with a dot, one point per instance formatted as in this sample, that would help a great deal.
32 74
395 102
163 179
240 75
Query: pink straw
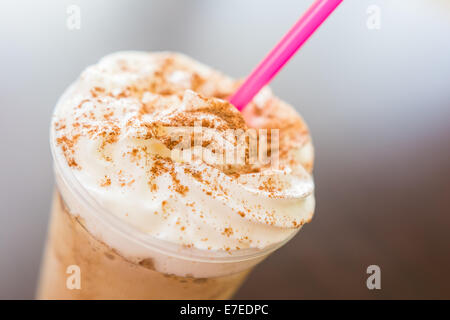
283 51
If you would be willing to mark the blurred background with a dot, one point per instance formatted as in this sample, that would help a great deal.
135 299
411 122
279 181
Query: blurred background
375 93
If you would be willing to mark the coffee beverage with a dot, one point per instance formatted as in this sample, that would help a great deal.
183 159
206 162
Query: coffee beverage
165 190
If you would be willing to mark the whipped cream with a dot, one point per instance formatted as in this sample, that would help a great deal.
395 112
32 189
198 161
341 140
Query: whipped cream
111 131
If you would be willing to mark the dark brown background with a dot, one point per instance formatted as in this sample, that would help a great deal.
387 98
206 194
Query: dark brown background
377 102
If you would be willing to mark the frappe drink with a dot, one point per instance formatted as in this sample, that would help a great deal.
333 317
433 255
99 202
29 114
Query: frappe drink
160 191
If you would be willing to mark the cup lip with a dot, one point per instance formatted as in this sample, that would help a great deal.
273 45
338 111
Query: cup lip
137 236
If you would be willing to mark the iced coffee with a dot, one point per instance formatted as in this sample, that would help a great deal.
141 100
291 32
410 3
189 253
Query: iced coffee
160 193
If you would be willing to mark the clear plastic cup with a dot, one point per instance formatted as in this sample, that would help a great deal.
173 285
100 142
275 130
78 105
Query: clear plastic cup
92 254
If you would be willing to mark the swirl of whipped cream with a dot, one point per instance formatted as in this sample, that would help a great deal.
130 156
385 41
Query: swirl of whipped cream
115 130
